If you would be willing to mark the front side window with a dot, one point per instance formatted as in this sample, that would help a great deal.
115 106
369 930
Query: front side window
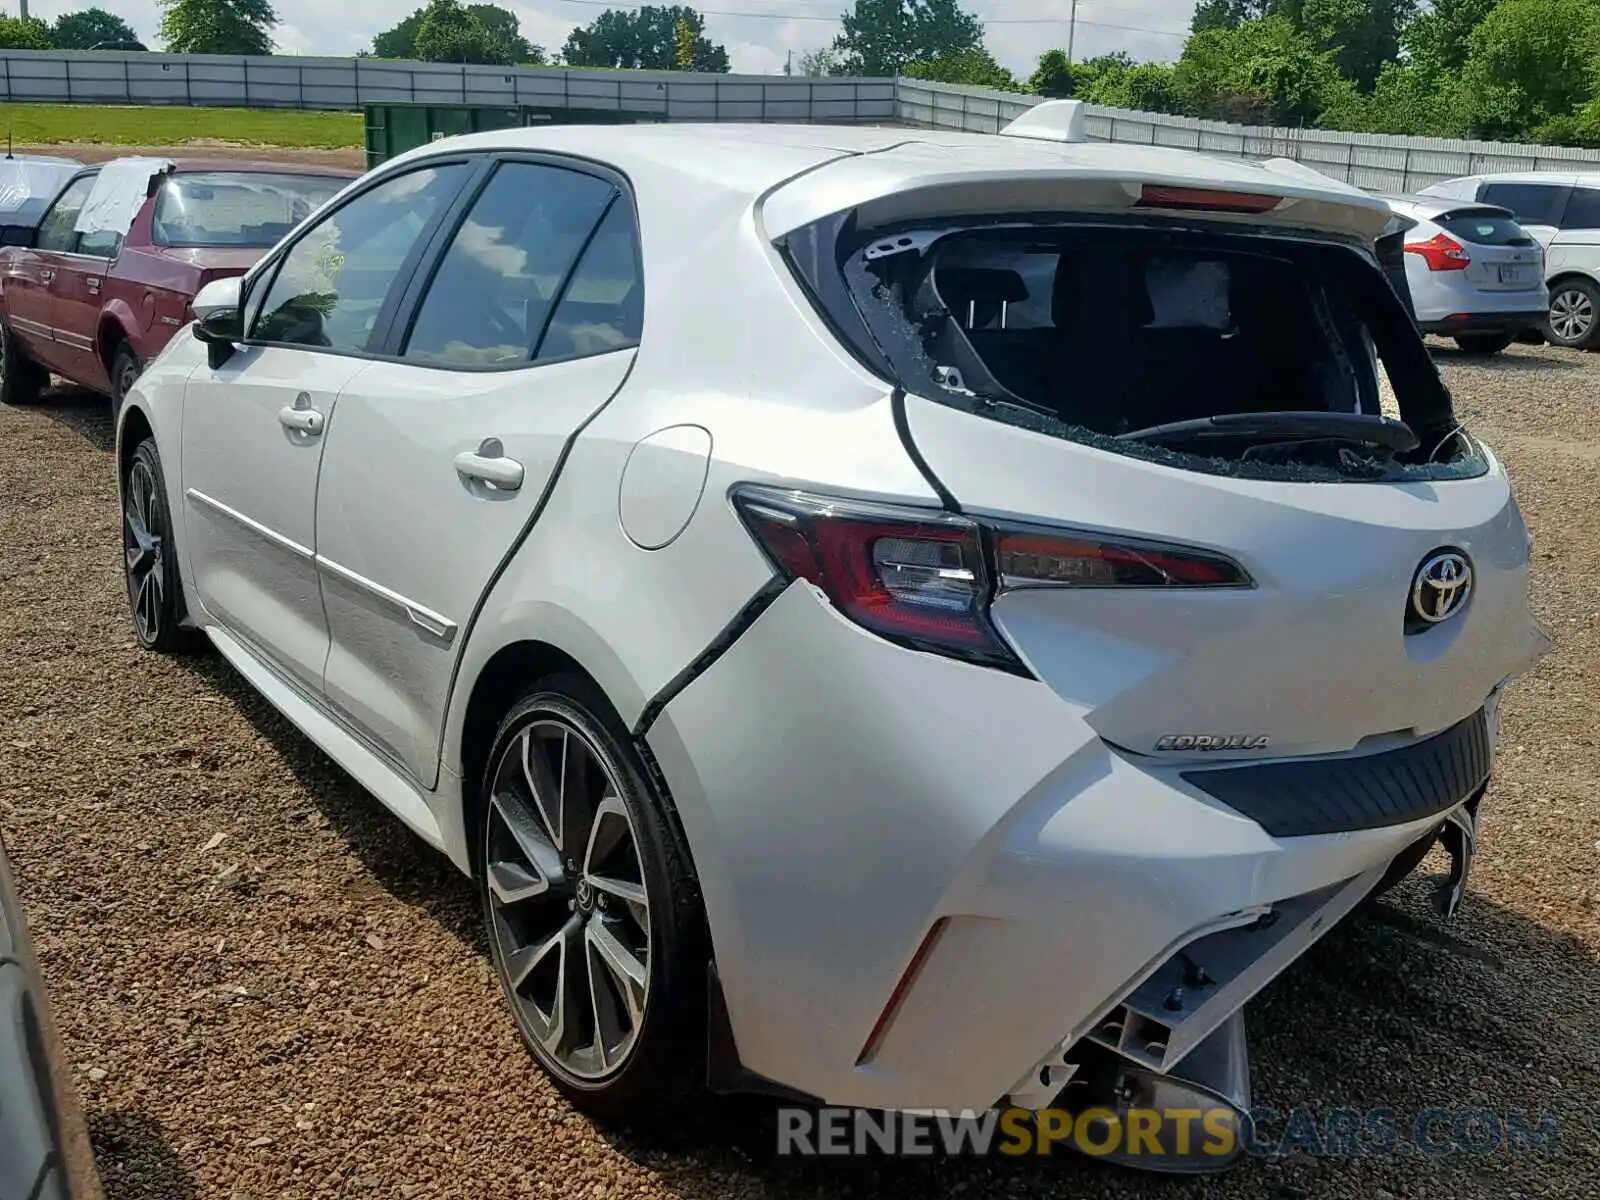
1583 210
333 282
58 232
1532 203
490 300
238 208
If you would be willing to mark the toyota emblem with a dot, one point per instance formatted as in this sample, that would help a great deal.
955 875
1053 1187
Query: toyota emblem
1441 587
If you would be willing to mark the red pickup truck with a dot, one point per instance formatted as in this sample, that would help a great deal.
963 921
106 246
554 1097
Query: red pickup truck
92 296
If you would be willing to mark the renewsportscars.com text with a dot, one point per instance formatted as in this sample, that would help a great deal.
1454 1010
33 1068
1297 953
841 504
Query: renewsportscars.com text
1192 1132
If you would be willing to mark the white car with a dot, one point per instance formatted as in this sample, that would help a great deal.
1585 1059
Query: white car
1562 211
896 619
1474 274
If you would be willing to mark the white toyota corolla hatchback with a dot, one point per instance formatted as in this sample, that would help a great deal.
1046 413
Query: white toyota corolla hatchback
897 619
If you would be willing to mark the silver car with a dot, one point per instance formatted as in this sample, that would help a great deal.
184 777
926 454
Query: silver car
1475 274
902 619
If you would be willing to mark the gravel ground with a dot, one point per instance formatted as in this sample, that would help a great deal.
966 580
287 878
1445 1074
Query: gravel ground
272 990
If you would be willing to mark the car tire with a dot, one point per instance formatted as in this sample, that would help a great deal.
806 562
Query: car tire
22 381
624 1036
125 372
1574 319
1483 343
150 558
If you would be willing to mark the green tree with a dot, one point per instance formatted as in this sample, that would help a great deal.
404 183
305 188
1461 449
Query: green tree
1531 62
1409 98
218 26
975 68
504 32
401 41
24 33
449 33
1265 72
822 61
87 29
498 38
683 48
882 37
644 38
1362 35
1146 87
1440 38
1055 76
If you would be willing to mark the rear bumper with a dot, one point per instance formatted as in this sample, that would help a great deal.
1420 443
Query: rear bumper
854 808
1513 322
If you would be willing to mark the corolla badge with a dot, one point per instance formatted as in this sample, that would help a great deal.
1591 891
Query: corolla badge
1213 741
1441 586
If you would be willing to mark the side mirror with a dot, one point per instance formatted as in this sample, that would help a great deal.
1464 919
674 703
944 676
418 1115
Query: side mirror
218 295
217 319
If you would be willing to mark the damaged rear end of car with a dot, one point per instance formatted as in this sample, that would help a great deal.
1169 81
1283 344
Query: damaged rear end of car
1150 390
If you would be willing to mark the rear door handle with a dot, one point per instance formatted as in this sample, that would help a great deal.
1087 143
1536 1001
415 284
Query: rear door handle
488 464
302 420
47 275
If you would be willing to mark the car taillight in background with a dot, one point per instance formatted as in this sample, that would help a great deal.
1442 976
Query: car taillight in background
1441 252
925 578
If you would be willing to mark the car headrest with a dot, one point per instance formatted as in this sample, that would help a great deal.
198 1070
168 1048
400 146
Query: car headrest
963 284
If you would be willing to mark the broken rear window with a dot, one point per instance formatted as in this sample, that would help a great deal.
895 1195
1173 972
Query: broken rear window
1227 352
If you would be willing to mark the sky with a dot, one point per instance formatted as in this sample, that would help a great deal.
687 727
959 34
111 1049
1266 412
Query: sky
759 34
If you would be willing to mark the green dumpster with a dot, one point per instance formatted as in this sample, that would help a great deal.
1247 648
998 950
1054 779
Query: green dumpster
395 128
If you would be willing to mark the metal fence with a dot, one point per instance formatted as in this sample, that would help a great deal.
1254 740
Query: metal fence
1376 161
1380 162
112 77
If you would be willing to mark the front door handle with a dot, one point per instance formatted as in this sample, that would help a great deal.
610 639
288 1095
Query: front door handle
301 420
47 275
489 464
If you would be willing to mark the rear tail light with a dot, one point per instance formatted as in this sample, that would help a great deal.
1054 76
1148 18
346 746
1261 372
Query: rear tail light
1049 559
1205 200
1441 252
925 578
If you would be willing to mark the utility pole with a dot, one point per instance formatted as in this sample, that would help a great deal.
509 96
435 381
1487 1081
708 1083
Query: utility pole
1072 29
788 64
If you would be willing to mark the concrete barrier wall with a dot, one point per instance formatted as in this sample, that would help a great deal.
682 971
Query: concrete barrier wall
112 77
1376 161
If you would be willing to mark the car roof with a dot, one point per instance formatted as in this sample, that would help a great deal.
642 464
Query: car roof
1556 178
869 162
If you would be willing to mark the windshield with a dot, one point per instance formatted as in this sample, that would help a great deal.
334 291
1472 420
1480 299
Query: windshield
238 208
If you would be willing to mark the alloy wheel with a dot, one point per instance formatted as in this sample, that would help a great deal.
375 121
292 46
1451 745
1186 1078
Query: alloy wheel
142 544
1572 315
570 911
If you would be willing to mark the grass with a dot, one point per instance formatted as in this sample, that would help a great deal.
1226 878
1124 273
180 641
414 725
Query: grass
128 125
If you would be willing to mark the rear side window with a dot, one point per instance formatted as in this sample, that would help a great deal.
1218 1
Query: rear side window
1532 203
491 298
1484 227
58 231
602 308
1583 210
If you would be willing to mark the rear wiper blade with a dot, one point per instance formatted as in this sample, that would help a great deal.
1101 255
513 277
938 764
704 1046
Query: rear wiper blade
1362 428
